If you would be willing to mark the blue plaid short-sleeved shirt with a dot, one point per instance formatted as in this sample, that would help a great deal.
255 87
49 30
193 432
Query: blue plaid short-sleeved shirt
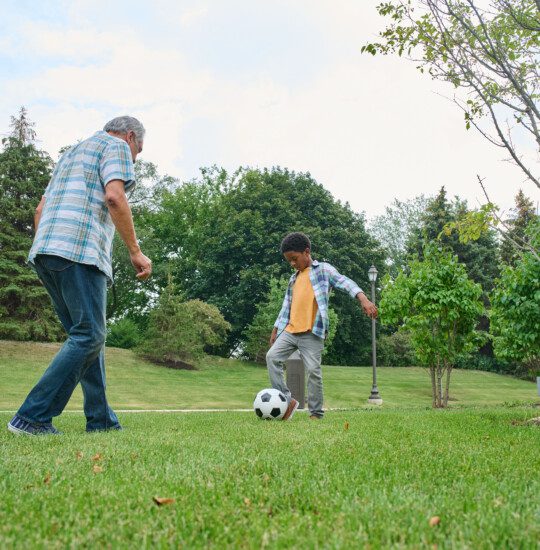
323 277
75 222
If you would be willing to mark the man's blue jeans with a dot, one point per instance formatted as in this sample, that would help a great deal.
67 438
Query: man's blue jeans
79 296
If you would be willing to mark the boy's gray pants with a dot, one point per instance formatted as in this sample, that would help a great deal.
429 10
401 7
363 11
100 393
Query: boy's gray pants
310 348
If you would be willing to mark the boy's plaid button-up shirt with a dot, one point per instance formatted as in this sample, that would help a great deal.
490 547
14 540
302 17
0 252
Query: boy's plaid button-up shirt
75 222
323 277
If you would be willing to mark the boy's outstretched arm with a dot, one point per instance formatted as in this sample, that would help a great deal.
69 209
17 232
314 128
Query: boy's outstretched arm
370 309
337 280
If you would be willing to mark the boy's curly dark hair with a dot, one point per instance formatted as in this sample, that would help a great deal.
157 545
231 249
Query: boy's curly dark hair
295 242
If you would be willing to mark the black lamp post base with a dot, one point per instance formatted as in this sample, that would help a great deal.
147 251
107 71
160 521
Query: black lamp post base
375 398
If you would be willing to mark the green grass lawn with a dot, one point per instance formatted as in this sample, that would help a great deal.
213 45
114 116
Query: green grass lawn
222 383
238 482
361 478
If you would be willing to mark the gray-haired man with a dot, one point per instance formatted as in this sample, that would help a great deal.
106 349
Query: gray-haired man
75 222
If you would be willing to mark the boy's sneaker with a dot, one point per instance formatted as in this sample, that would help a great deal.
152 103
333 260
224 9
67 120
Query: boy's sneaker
22 427
291 409
315 417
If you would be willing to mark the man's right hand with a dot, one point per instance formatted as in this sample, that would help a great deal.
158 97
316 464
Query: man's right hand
142 265
273 337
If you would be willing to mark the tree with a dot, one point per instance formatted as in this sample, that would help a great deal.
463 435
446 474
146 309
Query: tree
25 308
180 332
394 228
523 214
439 306
490 51
257 334
22 128
515 314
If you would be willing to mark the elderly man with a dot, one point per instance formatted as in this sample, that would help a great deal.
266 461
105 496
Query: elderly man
75 222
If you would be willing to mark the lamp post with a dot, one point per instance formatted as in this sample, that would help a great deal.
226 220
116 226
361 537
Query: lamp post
374 398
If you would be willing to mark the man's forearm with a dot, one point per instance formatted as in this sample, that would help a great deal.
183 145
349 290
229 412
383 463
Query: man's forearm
123 221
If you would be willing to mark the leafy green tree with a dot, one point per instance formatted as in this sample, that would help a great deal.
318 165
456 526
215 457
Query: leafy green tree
25 309
439 306
394 229
181 331
257 334
490 51
220 235
515 314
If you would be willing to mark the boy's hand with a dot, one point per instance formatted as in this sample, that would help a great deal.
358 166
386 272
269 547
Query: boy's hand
369 308
273 337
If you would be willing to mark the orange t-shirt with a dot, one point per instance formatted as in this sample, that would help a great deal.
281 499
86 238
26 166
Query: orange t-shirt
304 306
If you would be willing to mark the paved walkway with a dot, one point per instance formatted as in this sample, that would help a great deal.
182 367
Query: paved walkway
163 411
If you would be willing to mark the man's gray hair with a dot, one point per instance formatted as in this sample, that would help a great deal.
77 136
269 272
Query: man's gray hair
124 124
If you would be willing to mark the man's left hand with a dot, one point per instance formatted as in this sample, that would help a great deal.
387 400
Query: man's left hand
369 308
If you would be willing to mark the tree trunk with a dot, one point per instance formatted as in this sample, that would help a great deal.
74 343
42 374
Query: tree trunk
439 385
447 388
433 386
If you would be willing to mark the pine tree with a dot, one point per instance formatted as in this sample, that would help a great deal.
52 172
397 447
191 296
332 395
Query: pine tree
524 214
25 308
22 128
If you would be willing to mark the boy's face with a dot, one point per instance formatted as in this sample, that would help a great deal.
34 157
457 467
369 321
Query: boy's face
299 260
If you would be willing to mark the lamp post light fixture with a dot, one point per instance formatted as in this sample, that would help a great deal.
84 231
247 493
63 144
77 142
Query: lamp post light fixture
374 398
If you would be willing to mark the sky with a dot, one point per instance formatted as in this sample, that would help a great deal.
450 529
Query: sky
247 83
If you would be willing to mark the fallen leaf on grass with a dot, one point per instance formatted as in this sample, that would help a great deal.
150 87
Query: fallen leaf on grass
346 425
79 455
96 457
435 520
97 469
160 501
47 479
247 502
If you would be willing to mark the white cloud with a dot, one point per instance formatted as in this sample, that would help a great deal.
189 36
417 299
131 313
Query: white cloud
191 16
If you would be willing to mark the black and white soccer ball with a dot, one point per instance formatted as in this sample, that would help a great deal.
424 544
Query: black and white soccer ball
270 404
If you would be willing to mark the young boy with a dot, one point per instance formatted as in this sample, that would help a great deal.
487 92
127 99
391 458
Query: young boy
302 323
